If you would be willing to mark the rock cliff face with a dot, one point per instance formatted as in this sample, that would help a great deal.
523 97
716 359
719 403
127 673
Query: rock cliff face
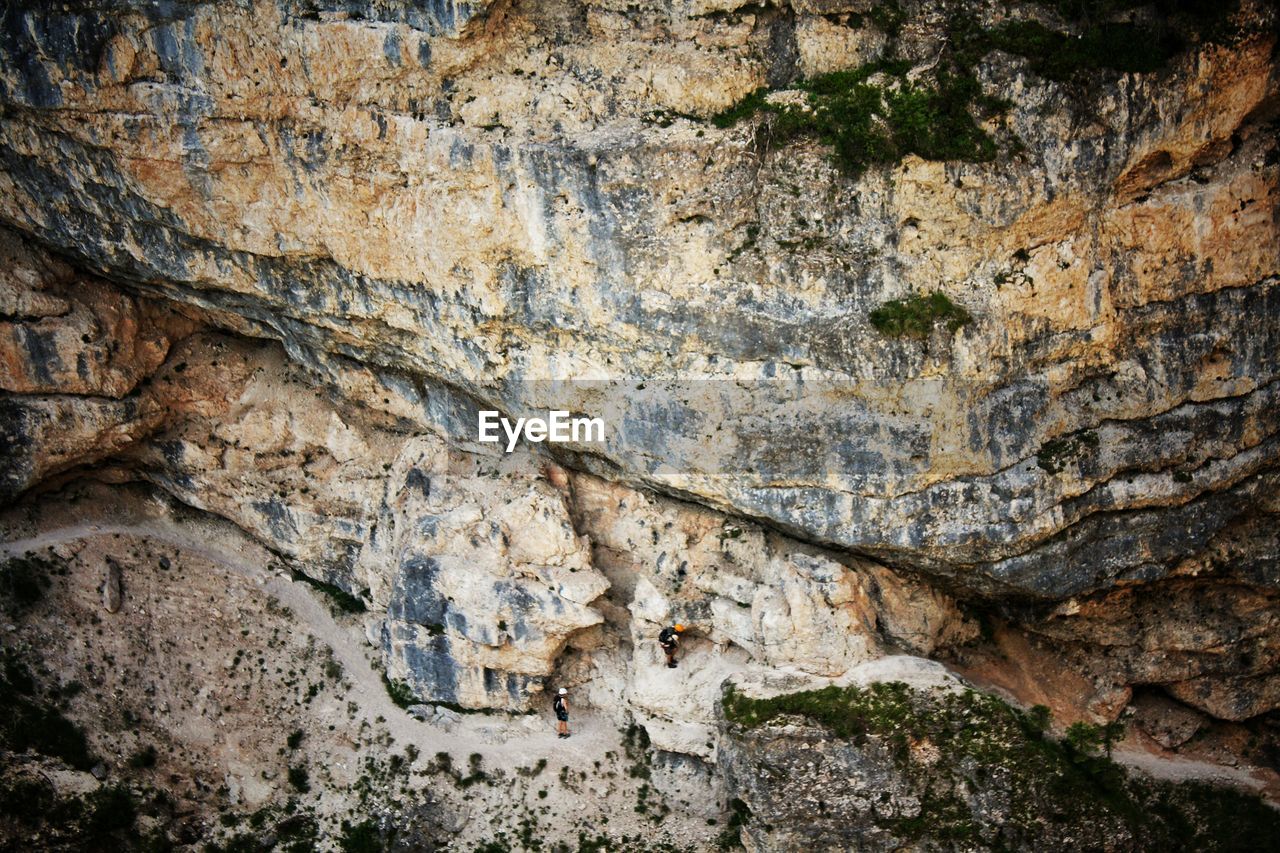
518 198
270 258
931 764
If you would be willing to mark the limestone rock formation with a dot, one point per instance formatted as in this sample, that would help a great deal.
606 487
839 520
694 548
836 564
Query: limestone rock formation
882 766
266 261
488 582
493 202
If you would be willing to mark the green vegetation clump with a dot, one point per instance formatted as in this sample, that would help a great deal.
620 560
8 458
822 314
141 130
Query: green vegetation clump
300 778
730 837
1046 783
877 115
1056 453
1086 738
477 774
143 758
340 599
1038 717
851 713
361 838
401 694
28 723
1060 56
104 819
635 741
535 770
332 670
23 582
109 809
867 123
888 17
916 316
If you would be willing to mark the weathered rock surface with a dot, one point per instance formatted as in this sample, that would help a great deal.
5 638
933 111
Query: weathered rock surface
884 765
271 257
751 600
483 570
485 197
490 579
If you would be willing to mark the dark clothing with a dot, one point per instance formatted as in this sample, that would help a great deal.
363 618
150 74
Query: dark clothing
562 713
668 639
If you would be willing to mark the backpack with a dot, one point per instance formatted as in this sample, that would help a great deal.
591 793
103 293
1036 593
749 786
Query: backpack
558 705
667 636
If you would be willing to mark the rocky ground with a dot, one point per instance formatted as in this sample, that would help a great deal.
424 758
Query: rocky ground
238 704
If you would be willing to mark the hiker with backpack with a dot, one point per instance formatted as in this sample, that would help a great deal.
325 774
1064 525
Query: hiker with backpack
561 706
669 639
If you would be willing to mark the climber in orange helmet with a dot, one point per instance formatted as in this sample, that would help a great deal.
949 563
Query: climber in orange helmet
669 639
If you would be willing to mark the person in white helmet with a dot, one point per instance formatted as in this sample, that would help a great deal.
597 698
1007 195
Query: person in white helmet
561 707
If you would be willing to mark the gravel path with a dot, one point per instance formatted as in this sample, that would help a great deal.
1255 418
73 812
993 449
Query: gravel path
504 741
1176 769
600 796
510 741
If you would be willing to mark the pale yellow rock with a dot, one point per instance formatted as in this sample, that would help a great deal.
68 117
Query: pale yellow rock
825 46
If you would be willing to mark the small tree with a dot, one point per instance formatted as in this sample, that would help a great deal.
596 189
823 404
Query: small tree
1110 733
1039 718
1083 738
299 778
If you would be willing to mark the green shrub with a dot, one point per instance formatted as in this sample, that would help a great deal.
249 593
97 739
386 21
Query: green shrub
916 316
27 723
477 774
400 692
935 123
1038 718
1084 738
1060 56
23 582
300 778
341 600
143 758
848 712
865 124
746 108
888 17
109 809
363 837
731 836
26 801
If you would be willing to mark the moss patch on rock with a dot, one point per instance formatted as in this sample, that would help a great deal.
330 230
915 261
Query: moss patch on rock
916 315
874 115
1054 454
